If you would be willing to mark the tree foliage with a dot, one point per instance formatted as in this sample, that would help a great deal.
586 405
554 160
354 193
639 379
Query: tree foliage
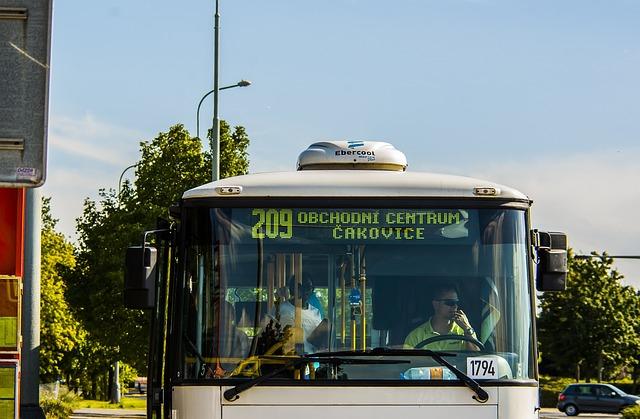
170 164
589 329
60 332
95 285
234 160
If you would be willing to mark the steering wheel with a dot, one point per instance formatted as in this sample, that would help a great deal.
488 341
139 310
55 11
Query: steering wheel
438 338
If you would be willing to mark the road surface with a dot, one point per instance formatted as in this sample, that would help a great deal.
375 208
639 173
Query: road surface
556 414
137 414
108 413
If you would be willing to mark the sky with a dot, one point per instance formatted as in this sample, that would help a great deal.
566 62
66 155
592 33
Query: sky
542 95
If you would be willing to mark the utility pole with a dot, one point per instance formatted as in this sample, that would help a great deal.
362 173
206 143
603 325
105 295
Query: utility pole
215 155
116 392
30 380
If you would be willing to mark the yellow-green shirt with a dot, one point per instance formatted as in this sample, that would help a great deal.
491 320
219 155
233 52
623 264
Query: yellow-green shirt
425 331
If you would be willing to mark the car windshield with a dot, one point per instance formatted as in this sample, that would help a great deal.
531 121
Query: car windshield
262 285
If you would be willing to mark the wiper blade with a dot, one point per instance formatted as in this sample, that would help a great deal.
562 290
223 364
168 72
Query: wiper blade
232 393
382 351
481 395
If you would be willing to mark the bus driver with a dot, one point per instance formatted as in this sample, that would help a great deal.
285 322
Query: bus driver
447 319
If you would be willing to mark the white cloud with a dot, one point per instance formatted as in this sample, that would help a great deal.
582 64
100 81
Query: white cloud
85 155
68 190
89 137
593 197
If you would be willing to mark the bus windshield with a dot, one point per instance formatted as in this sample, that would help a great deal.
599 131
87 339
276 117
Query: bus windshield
264 285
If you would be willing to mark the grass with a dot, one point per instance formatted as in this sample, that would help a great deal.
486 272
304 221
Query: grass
125 403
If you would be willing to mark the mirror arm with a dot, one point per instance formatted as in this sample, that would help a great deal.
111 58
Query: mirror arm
144 244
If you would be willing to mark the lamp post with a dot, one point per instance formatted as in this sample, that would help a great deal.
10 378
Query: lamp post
241 83
120 180
215 154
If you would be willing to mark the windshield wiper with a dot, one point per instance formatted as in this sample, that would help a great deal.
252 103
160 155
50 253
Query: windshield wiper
381 351
481 395
232 393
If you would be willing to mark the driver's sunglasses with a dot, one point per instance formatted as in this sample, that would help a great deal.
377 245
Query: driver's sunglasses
449 302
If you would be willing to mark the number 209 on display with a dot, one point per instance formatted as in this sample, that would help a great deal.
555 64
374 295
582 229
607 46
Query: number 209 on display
272 223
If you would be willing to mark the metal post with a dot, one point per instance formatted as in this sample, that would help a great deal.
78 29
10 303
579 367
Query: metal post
30 381
215 155
115 397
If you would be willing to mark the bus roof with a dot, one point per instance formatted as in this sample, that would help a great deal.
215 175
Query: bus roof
353 183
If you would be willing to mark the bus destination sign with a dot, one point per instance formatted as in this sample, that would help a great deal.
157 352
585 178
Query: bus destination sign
345 224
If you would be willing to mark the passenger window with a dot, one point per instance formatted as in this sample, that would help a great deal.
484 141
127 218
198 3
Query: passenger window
605 392
584 390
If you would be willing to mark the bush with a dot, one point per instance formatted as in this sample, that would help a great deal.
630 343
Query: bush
550 387
55 408
128 375
60 408
631 413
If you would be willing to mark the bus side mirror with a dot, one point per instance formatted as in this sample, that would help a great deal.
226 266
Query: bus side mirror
140 277
552 268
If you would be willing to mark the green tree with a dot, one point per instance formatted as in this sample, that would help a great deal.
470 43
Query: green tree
589 330
60 332
170 164
95 285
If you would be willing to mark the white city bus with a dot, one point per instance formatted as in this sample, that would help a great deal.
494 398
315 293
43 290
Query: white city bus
292 295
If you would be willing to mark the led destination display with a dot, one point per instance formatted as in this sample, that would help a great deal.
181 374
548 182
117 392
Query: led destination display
356 224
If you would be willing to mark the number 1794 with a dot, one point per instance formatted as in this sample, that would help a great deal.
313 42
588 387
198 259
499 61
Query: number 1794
481 367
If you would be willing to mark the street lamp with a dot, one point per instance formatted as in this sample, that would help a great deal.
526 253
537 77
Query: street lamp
241 83
120 180
215 152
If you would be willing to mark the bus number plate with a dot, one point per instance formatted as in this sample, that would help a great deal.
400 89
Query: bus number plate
482 367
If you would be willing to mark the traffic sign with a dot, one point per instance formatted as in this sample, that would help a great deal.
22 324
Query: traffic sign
25 45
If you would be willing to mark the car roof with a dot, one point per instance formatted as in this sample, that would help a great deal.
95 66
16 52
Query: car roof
611 386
